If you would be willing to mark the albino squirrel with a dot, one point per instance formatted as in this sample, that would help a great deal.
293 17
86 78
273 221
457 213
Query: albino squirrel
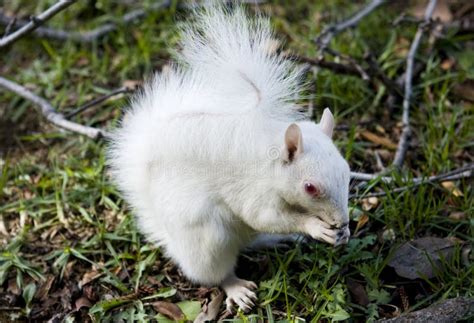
215 152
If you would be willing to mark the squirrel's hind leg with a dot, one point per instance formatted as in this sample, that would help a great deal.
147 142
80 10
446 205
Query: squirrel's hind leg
239 292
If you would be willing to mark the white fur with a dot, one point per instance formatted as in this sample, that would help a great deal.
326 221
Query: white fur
195 153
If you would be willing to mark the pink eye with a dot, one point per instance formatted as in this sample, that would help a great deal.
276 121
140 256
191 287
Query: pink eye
311 189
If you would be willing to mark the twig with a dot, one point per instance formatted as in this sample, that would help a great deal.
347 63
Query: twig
92 35
354 68
97 101
35 22
321 62
406 129
460 173
50 113
352 62
329 32
369 177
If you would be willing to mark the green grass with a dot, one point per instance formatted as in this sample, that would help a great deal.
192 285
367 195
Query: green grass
66 221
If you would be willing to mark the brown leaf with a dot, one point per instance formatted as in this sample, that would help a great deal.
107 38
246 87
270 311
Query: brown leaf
88 277
451 187
358 292
369 203
13 287
422 257
210 312
379 140
82 302
363 219
447 64
43 290
169 309
458 216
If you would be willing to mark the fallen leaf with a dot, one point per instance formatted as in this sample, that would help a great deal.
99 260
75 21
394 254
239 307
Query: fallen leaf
369 203
451 187
457 216
379 140
363 219
43 290
82 302
380 129
450 310
358 292
13 287
447 64
373 200
422 257
88 277
169 310
212 309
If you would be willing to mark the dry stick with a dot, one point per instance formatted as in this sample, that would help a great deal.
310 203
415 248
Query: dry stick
373 71
460 173
320 62
353 68
328 33
35 22
387 179
92 35
406 129
368 177
50 113
97 101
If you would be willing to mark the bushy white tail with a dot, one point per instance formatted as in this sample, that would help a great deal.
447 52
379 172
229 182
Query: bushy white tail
233 54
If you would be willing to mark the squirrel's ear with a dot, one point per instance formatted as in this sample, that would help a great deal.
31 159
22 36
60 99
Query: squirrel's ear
293 142
327 122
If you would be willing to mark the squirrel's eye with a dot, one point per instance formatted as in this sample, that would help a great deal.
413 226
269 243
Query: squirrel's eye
311 189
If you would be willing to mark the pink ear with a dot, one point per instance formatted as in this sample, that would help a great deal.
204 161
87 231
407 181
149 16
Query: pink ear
293 142
327 122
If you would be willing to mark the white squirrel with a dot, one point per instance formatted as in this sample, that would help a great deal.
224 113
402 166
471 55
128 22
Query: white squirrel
214 153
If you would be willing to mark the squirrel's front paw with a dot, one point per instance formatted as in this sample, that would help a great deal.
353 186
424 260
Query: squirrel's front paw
320 230
239 292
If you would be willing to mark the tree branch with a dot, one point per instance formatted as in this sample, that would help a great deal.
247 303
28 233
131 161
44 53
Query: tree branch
35 22
321 62
88 36
96 101
50 113
406 129
329 32
460 173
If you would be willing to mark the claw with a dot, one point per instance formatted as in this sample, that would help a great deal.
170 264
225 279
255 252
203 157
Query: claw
239 292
